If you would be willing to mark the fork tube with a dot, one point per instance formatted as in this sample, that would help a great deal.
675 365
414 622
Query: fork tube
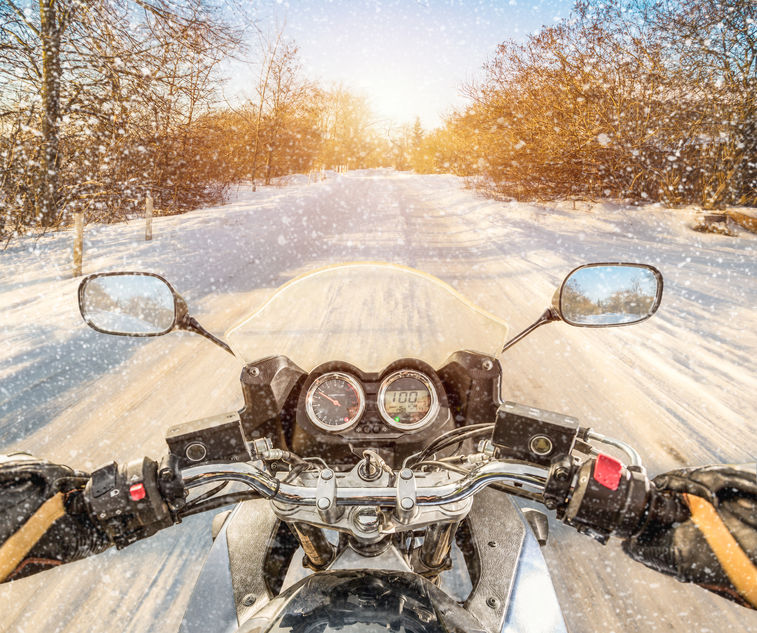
437 543
317 547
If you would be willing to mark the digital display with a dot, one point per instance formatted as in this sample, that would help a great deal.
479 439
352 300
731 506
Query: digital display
407 401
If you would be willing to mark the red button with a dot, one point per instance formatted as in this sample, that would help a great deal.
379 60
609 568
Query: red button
607 471
137 492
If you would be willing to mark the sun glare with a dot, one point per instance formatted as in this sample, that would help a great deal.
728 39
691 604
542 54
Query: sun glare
395 99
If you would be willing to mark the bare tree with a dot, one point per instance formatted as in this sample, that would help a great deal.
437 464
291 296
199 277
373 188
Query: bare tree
347 125
97 76
289 94
269 46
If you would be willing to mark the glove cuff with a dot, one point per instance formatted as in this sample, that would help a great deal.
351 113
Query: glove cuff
741 571
15 549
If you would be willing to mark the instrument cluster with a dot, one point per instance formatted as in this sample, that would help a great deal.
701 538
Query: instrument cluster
340 400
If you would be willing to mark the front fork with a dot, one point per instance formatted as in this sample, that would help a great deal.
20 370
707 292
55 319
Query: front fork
319 552
434 553
429 559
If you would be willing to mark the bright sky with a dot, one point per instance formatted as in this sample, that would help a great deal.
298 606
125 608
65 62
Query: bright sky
600 283
409 57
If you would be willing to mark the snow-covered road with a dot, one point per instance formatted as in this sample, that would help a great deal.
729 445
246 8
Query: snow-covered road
681 387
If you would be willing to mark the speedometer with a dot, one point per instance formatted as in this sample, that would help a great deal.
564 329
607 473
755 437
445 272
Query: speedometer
335 401
407 400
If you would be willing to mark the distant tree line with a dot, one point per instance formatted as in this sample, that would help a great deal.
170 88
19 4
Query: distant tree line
104 102
639 99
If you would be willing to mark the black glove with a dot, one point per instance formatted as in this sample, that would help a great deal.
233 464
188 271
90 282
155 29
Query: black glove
51 514
43 521
716 546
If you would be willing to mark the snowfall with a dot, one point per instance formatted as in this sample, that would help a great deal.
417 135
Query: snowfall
681 387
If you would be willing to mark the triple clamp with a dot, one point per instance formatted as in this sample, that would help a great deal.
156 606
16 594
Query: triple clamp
406 507
325 496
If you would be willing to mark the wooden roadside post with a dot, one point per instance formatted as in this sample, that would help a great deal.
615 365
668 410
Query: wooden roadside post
746 219
148 217
78 242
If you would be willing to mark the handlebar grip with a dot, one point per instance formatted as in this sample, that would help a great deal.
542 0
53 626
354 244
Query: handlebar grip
610 498
665 508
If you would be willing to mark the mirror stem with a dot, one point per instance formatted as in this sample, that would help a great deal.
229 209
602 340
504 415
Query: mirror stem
190 324
549 315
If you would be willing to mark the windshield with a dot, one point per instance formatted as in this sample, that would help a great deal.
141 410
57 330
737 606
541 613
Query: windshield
367 314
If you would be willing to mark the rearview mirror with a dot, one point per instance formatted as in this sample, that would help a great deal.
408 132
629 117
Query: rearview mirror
130 304
606 295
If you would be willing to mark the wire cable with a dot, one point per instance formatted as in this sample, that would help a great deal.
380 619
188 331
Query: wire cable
448 439
454 433
206 495
218 502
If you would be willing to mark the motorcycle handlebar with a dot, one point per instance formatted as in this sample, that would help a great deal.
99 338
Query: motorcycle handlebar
600 497
603 497
386 497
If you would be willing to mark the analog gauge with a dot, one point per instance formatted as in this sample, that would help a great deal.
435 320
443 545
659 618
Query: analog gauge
335 401
407 400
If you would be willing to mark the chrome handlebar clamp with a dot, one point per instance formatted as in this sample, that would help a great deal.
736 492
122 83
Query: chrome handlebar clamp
406 500
325 502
